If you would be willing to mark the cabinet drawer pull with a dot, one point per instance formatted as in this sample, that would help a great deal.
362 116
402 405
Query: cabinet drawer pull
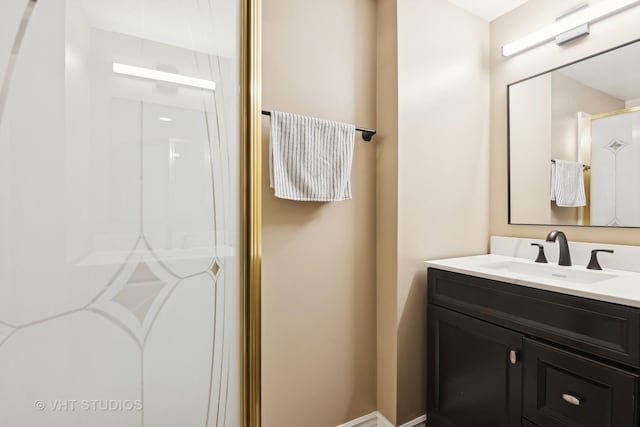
514 356
571 399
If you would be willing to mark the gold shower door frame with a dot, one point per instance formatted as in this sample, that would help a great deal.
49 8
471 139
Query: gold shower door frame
250 141
251 207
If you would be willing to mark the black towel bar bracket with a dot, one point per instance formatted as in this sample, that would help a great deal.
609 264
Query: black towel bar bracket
367 134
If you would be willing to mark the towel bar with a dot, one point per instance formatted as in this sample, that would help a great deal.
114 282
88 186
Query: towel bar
586 167
367 134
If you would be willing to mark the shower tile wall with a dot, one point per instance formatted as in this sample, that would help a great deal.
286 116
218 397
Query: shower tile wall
119 295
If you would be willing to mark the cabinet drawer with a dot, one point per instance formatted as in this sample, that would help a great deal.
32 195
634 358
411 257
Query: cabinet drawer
604 329
564 389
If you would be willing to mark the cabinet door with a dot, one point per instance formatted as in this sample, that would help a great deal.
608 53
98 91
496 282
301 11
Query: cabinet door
565 389
475 374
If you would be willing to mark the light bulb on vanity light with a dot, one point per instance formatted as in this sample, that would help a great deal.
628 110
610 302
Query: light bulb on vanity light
585 16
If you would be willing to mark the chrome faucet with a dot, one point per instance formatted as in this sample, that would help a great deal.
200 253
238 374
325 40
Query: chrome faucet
565 256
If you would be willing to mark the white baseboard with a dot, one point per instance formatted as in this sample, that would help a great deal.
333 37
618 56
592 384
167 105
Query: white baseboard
370 420
376 419
418 422
383 422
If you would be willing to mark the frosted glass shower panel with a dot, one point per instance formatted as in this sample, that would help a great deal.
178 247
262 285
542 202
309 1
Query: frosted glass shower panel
615 176
178 205
119 214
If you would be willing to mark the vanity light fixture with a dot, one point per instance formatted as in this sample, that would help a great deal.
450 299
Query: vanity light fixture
573 21
147 73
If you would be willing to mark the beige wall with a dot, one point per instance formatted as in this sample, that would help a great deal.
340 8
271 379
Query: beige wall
387 207
319 294
531 16
443 165
530 115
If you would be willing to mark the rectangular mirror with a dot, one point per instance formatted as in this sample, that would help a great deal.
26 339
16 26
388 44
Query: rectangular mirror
574 143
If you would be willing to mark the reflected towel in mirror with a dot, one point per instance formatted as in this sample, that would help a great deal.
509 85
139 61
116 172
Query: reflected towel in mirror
567 184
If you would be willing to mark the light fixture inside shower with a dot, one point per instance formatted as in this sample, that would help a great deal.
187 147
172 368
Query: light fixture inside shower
163 76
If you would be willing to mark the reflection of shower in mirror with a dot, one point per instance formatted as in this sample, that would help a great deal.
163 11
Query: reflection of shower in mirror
615 176
586 113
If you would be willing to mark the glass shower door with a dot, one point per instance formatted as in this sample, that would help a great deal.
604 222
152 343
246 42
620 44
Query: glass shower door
119 213
615 155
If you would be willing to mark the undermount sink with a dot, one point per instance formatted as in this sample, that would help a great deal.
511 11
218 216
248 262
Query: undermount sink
550 272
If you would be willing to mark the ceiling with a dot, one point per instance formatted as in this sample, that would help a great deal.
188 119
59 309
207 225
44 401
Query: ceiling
616 73
488 9
209 26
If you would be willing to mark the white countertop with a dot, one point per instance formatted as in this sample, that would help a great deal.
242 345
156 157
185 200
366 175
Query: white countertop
623 289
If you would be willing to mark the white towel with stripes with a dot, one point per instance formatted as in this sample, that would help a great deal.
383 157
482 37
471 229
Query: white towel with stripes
567 184
310 159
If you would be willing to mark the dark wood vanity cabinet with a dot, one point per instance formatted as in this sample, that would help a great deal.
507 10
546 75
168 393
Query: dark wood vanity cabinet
506 355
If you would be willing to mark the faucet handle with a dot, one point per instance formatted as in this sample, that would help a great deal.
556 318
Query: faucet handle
541 258
593 262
